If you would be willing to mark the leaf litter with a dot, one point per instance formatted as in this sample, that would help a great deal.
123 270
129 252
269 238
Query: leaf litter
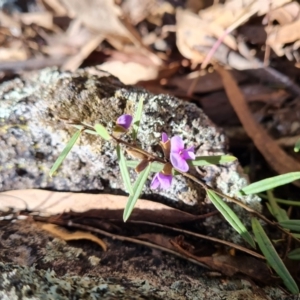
169 48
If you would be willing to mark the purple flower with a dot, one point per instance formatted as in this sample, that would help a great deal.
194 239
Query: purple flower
165 145
179 155
124 121
161 180
164 137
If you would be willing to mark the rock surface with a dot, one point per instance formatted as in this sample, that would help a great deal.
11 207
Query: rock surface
37 266
33 135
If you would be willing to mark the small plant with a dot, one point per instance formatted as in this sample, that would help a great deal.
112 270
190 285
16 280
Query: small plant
176 161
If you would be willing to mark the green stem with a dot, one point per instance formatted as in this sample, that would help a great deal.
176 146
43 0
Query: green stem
205 186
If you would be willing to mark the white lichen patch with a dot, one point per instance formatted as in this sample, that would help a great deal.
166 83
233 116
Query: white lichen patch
59 249
94 260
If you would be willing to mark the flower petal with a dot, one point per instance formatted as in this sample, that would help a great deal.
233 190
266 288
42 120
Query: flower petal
178 162
124 121
188 153
165 180
164 137
155 182
176 144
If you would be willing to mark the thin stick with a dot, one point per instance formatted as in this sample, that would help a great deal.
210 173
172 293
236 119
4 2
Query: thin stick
229 244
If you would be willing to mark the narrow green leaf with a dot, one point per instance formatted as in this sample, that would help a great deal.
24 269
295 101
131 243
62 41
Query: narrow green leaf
137 190
124 170
79 127
297 146
270 183
155 166
279 213
294 254
231 217
296 235
212 160
291 224
288 202
137 118
65 152
282 201
102 131
91 131
272 257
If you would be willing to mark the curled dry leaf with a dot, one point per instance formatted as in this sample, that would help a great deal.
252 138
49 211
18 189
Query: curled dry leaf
66 235
102 205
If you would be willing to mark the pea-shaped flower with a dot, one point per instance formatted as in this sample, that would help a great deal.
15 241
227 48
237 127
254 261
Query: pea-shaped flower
124 121
162 181
179 155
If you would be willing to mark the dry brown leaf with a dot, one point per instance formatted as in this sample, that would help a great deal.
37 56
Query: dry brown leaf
231 265
69 42
131 72
13 53
75 61
232 10
99 15
274 155
288 29
101 205
278 36
66 235
216 23
158 239
137 10
56 6
106 18
206 82
43 19
192 31
285 14
11 23
151 10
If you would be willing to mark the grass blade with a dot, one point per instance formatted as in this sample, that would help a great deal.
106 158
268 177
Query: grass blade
102 131
137 118
212 160
137 190
272 257
295 254
297 146
91 132
231 217
282 201
279 213
291 224
65 152
124 170
270 183
155 166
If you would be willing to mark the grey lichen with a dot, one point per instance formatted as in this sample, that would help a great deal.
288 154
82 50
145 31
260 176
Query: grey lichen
125 271
58 249
22 283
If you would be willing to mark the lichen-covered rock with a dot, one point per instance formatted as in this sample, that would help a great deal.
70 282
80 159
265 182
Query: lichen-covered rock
40 267
33 135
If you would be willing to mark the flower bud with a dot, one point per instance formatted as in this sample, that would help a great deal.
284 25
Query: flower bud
142 166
